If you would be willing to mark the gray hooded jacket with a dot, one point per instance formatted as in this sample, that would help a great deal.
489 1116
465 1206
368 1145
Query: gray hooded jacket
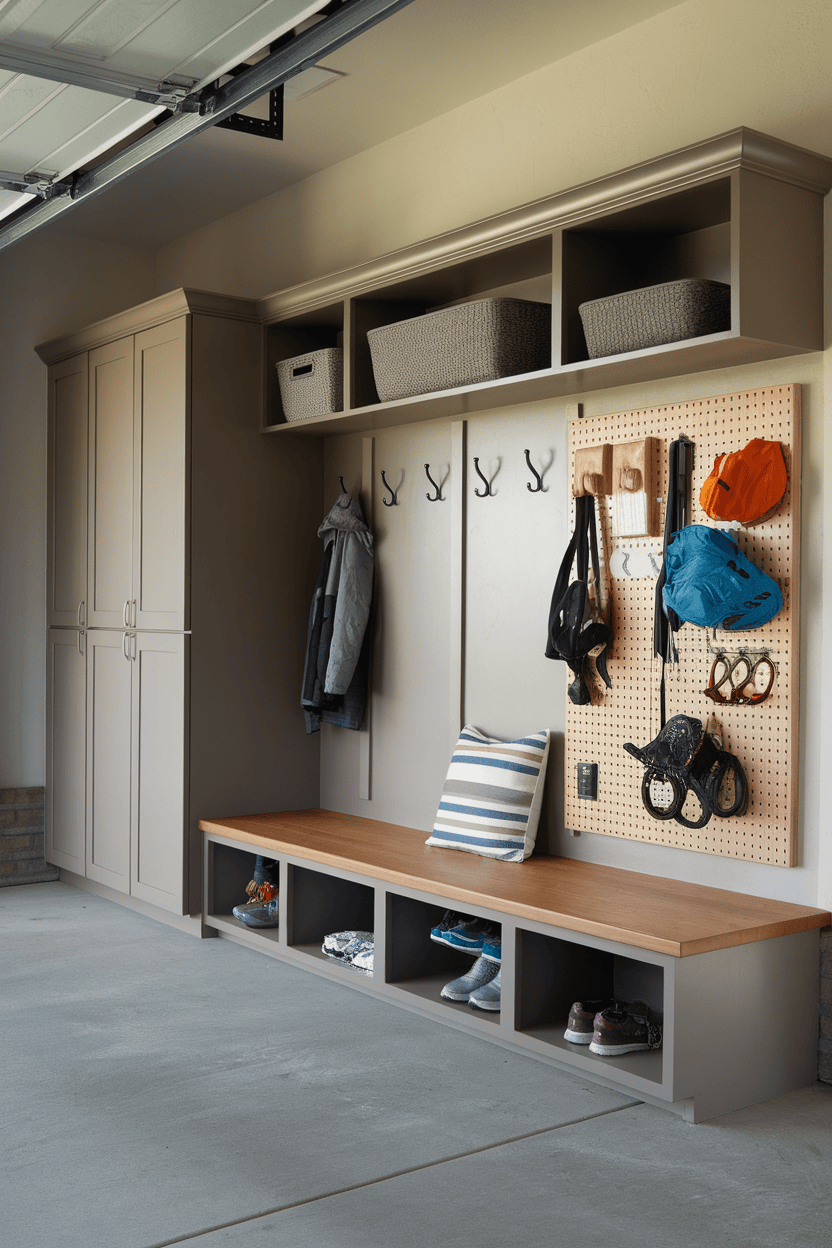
334 678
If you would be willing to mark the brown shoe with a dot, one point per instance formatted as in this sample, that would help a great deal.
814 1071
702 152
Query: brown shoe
624 1028
582 1017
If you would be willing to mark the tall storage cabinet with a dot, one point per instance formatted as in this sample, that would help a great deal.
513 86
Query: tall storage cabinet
175 536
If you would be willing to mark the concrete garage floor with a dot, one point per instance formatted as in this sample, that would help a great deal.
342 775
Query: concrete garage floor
162 1090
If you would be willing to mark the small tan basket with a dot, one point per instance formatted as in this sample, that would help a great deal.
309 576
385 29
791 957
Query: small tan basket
312 384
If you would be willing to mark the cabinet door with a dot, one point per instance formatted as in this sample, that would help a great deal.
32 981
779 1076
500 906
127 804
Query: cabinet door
108 758
160 496
66 716
110 510
159 754
67 492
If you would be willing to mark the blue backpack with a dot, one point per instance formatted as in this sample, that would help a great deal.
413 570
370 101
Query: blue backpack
710 582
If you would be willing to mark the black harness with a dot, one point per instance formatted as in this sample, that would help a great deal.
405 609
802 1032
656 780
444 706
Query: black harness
685 759
576 628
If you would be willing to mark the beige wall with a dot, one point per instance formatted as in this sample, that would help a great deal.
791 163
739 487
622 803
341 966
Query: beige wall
49 285
691 72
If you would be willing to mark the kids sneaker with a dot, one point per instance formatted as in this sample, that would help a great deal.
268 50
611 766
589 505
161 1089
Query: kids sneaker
624 1028
487 997
261 910
582 1017
481 973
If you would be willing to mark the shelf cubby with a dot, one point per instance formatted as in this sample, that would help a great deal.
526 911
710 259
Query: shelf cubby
231 869
552 973
318 904
676 236
310 331
420 966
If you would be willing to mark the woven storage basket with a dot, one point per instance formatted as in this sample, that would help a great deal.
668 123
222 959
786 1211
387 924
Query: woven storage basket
655 315
460 346
312 384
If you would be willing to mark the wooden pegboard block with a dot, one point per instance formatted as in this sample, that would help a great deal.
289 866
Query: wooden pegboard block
592 471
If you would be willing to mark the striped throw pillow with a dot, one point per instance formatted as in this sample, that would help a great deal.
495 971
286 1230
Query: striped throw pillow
492 796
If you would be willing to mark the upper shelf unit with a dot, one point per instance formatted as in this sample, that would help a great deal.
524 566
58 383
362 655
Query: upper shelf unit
741 208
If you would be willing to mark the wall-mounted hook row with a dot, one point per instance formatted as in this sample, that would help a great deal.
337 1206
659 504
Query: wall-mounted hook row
391 502
437 497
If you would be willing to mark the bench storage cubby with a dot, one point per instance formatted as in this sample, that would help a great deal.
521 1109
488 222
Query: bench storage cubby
733 978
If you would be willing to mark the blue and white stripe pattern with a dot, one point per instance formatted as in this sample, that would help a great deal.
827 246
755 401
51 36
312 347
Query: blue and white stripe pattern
492 796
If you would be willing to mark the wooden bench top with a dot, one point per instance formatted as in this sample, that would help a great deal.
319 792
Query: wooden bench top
645 911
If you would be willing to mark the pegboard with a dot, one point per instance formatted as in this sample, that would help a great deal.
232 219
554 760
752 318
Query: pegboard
764 737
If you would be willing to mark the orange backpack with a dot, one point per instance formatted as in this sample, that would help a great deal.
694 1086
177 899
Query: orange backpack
745 485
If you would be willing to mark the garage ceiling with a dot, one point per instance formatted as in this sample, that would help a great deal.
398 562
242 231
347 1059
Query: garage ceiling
420 62
52 125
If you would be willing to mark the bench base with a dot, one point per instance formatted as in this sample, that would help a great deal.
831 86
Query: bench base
739 1022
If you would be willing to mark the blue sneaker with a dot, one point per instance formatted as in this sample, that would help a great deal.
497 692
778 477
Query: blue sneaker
491 947
449 919
460 989
467 936
487 997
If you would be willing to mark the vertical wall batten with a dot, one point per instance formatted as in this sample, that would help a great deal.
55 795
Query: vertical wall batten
459 443
365 744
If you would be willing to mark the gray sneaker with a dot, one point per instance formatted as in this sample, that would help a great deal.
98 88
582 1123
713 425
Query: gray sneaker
480 973
487 997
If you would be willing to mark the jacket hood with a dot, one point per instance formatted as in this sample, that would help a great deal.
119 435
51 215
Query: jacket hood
345 517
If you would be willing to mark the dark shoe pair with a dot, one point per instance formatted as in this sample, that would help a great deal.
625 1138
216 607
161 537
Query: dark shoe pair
611 1027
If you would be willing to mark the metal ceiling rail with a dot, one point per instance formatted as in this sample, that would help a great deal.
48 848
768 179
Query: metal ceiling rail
302 52
56 68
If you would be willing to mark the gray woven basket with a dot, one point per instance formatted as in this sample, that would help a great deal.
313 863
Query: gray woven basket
312 384
655 315
460 346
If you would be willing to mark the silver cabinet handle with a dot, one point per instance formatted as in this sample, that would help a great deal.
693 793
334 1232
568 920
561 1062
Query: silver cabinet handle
133 647
80 647
81 617
124 637
133 614
125 615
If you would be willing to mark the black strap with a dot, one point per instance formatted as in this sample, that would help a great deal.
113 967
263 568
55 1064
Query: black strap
665 623
577 548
